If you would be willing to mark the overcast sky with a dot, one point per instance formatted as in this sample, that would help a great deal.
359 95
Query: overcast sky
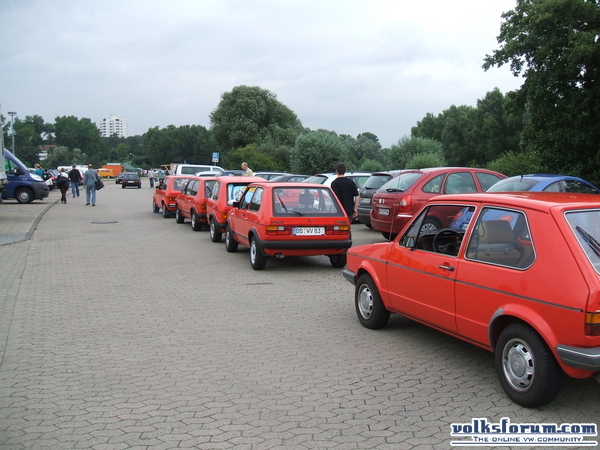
349 66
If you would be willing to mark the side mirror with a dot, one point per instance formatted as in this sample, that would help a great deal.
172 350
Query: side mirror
236 204
17 171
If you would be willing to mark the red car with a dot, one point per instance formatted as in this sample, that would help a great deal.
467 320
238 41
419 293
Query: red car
288 219
522 280
166 193
396 202
226 190
191 203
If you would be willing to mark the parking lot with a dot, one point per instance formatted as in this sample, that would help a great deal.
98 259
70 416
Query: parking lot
120 329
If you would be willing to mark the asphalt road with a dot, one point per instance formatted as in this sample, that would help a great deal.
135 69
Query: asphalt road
123 330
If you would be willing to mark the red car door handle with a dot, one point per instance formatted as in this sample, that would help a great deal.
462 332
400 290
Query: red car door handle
450 268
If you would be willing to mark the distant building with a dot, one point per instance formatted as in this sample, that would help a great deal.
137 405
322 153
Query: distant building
113 125
44 149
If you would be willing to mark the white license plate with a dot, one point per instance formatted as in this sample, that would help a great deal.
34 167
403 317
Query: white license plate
384 211
365 200
308 231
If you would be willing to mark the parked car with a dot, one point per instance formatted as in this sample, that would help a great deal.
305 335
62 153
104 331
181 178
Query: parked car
288 219
374 182
525 286
533 183
225 191
131 179
269 175
544 182
166 193
191 203
119 177
359 178
290 178
22 185
396 202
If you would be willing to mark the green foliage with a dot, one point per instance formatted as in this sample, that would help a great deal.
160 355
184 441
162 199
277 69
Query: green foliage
553 44
256 158
72 132
422 160
370 165
251 115
315 152
408 148
511 164
189 143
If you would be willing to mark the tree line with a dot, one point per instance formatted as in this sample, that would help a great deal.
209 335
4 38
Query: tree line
550 124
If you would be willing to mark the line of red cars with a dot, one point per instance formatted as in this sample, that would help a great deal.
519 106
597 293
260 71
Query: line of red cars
514 273
270 218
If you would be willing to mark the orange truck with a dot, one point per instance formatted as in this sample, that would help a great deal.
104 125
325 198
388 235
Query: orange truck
110 170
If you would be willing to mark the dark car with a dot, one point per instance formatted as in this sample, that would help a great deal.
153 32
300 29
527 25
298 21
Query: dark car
131 179
119 177
374 182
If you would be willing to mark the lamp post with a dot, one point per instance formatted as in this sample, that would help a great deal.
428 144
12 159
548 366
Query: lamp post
12 129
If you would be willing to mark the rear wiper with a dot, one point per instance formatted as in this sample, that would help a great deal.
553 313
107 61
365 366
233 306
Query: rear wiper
394 190
593 243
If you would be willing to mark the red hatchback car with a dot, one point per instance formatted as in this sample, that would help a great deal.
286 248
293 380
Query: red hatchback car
289 219
191 203
522 280
166 193
225 191
396 202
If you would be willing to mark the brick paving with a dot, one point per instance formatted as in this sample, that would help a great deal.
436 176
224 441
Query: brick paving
123 330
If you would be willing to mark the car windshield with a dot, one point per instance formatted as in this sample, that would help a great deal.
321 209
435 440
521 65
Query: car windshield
298 201
401 183
318 179
585 225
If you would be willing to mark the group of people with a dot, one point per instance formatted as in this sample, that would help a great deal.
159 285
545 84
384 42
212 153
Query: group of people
74 178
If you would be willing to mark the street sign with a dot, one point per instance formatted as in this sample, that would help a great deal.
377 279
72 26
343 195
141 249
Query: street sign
215 157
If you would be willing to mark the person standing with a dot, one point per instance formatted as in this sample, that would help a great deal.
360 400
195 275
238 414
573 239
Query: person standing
40 172
247 171
62 181
89 180
151 177
346 191
75 177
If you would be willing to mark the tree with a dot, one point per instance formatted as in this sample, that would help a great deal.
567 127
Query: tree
72 132
188 143
251 115
407 148
554 45
315 152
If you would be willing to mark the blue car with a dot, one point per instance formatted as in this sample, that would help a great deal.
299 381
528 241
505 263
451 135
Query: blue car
538 182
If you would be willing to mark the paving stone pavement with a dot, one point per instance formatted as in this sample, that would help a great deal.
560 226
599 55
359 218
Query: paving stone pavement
123 330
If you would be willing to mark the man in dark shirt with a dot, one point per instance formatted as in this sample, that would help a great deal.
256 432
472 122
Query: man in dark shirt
75 178
346 191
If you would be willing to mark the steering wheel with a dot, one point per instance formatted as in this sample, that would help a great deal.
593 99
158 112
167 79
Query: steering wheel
451 248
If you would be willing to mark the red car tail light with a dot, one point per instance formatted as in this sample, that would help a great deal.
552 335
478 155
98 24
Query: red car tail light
404 203
278 230
337 229
203 206
592 324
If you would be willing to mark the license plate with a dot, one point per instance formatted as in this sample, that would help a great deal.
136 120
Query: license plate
384 211
365 200
308 231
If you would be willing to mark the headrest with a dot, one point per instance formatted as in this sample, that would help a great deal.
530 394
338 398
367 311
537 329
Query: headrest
496 232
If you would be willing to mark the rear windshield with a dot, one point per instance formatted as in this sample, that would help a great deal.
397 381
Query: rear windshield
401 183
297 201
178 183
235 191
513 184
131 176
375 181
318 179
586 227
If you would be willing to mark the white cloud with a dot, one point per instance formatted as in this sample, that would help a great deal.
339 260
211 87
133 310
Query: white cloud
348 66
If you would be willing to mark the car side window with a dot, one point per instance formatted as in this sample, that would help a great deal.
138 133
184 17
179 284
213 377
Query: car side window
208 188
459 183
215 190
245 201
578 186
444 240
486 180
256 200
434 185
193 187
501 237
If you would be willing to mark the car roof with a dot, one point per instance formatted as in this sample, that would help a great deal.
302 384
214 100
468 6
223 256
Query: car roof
543 201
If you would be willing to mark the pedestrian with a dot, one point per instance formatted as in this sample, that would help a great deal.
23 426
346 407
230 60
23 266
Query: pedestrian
247 171
346 191
76 179
62 182
89 180
151 177
40 172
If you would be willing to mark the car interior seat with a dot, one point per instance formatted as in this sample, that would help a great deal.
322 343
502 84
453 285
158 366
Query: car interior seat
496 244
